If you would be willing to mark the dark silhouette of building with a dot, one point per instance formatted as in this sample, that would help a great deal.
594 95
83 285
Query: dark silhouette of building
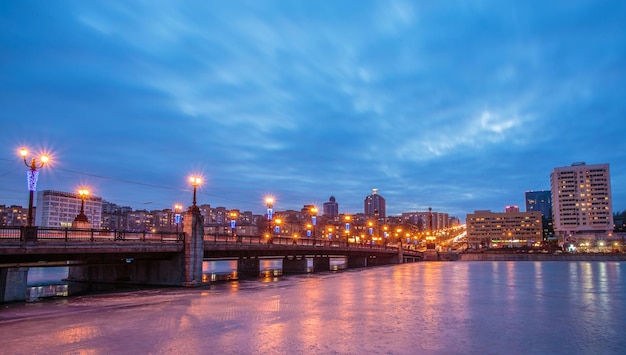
539 201
331 208
374 204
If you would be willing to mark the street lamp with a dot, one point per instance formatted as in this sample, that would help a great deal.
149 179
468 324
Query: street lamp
195 182
314 222
269 202
233 223
347 231
177 209
278 221
31 178
83 193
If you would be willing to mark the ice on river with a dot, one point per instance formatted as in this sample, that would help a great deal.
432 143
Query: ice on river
419 308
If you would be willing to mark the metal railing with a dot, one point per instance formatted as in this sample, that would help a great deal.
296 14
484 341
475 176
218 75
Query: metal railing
44 234
317 242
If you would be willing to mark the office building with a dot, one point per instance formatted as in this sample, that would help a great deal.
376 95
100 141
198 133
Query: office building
331 208
486 229
581 200
539 201
374 204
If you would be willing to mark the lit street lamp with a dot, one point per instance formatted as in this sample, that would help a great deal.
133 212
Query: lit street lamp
347 231
81 220
278 221
314 222
195 182
31 178
233 224
177 209
269 202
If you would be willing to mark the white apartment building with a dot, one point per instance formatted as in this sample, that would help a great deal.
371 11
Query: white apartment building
58 209
581 201
486 229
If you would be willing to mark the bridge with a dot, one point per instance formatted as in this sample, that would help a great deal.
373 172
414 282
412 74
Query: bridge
166 259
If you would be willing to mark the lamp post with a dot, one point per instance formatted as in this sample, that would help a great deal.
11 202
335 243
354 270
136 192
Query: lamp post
31 178
233 224
82 193
195 182
278 221
177 209
314 222
269 202
347 231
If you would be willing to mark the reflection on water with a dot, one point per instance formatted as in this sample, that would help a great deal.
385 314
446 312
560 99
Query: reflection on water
454 307
46 275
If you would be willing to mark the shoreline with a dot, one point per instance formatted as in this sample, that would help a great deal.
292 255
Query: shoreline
539 257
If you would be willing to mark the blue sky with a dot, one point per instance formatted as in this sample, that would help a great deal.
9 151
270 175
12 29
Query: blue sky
456 105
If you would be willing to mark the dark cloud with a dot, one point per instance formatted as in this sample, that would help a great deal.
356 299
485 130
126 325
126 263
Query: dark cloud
456 106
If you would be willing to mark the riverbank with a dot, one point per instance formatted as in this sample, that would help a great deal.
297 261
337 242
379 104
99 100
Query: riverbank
540 257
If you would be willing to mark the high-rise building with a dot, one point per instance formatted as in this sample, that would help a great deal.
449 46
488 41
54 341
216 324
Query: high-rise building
508 229
331 208
374 204
581 199
58 209
539 201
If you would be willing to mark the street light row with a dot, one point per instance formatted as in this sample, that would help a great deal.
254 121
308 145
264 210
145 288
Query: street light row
195 181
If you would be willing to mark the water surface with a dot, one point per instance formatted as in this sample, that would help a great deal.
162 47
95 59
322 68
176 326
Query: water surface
419 308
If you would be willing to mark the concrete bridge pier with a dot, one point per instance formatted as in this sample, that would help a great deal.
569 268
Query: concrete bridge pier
357 261
321 263
294 265
249 267
13 282
380 260
180 269
194 247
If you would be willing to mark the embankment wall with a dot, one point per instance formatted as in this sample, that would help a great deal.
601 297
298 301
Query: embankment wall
540 257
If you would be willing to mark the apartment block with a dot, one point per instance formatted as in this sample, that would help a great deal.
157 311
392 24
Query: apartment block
581 201
486 229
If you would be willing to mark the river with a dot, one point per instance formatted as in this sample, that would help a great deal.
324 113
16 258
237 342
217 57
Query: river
419 308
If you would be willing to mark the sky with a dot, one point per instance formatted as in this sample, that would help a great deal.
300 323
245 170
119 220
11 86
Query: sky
455 105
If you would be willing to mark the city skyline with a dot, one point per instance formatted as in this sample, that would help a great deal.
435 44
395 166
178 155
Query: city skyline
457 107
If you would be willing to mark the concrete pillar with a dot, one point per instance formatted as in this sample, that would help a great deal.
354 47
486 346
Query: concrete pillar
431 255
321 264
13 283
294 265
248 267
357 261
194 247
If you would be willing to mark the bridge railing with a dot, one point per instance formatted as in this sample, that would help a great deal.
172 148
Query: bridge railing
10 233
318 242
90 235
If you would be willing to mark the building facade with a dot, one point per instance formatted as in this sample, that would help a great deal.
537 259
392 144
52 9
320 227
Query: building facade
58 209
375 204
440 220
581 198
539 201
486 229
331 208
13 216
